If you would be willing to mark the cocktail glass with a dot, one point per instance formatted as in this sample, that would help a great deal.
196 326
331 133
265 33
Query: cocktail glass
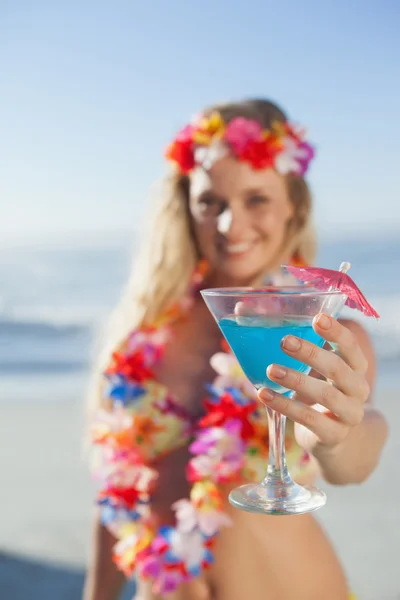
253 322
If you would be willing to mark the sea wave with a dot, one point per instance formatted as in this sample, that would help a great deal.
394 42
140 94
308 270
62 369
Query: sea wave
29 345
49 341
39 329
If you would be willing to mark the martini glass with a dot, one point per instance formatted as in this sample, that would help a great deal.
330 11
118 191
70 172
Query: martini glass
253 322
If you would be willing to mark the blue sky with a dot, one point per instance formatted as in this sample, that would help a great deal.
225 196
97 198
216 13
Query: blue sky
91 92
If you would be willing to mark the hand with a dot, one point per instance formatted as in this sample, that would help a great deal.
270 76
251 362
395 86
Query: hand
324 412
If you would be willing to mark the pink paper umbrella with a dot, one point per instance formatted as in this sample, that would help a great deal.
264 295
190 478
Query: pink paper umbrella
328 279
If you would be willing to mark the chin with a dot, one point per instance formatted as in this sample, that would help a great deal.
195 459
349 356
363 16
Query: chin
247 267
238 275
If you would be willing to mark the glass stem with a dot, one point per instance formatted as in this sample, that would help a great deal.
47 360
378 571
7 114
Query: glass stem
277 472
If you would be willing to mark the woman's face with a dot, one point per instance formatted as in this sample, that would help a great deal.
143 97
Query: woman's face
240 218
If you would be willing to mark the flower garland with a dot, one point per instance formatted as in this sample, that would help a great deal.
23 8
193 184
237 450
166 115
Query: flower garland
207 139
140 422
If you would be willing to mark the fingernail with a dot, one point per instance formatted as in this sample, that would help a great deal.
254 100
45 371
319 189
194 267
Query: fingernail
291 343
324 321
266 395
277 371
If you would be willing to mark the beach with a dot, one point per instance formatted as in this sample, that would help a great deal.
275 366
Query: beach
46 503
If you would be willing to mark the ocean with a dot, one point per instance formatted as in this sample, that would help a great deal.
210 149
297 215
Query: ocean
54 298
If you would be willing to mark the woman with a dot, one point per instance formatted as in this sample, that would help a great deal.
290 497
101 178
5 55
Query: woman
235 207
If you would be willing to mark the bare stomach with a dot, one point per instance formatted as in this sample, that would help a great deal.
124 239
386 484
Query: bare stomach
259 558
278 558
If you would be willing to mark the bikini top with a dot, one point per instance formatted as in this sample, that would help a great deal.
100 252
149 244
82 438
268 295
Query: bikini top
139 422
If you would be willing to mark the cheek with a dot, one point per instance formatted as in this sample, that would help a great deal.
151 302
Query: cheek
204 231
268 223
274 224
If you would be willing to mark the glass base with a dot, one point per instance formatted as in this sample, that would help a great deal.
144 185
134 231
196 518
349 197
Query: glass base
277 498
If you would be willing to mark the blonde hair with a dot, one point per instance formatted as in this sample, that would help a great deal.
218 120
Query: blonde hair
168 254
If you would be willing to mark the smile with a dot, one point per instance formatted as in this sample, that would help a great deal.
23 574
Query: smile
237 249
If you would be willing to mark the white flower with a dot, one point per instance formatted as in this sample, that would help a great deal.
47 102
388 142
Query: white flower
287 161
230 374
206 156
188 547
186 515
208 520
109 422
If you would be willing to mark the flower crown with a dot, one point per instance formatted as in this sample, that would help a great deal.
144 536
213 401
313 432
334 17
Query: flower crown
207 139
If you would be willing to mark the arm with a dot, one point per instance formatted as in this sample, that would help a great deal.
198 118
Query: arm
357 456
103 580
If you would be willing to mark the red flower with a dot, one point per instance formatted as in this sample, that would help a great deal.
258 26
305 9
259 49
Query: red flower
125 496
227 408
181 150
225 346
132 366
182 154
260 154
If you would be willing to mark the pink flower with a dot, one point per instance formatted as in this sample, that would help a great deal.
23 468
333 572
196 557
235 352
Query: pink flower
124 473
220 453
174 557
185 134
308 155
240 131
164 582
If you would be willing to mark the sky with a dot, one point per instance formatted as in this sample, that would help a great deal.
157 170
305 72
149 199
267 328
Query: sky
91 93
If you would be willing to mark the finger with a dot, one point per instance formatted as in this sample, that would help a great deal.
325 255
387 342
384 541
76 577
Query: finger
264 306
345 340
304 399
243 309
328 364
329 431
347 409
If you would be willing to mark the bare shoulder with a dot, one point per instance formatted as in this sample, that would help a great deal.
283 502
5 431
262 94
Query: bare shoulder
366 346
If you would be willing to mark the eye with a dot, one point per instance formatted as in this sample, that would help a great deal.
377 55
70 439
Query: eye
208 200
210 205
257 200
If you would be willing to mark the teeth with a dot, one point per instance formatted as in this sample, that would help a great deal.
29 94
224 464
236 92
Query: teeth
238 248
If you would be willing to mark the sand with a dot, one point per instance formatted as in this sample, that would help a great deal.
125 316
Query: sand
45 504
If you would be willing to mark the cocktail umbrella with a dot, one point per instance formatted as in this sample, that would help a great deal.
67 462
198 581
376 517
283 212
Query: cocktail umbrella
329 279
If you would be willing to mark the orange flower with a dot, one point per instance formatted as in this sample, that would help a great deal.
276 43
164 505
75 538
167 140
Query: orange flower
144 429
206 496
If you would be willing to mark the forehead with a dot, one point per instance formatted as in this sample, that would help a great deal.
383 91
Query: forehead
231 177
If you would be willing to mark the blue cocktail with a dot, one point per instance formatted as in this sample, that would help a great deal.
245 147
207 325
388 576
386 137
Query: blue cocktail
255 341
254 322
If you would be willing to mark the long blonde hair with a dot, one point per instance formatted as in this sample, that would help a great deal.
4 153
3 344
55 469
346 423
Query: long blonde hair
168 254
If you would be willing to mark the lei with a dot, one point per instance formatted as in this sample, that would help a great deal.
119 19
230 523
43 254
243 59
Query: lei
138 422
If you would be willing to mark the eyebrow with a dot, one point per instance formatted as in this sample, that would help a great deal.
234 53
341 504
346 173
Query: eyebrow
210 193
249 191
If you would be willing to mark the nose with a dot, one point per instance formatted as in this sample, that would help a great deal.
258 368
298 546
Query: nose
231 221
